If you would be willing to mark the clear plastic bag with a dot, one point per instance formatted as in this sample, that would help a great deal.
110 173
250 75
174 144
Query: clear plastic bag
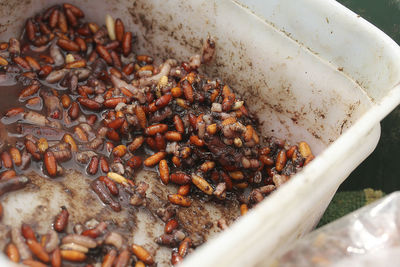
369 236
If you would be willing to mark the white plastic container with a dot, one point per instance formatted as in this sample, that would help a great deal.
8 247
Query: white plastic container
312 70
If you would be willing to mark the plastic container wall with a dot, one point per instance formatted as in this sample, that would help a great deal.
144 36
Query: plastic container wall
289 78
304 198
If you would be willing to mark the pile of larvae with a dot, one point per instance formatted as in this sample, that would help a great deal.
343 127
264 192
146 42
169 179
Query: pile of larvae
86 97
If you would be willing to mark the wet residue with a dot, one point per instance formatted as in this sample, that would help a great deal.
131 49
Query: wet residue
41 200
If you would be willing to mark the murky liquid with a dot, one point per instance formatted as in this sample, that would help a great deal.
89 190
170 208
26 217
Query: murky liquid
46 195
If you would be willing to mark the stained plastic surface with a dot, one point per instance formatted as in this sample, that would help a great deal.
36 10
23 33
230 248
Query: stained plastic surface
312 70
369 236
